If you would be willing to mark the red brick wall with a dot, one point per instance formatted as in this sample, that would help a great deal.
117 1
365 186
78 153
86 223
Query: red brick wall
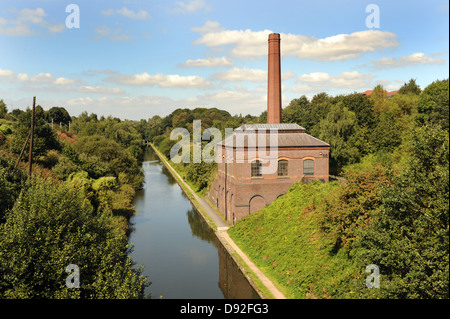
246 194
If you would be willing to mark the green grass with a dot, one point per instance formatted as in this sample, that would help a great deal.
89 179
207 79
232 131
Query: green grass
285 241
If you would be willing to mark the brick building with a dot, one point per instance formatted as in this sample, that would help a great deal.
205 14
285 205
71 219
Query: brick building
261 161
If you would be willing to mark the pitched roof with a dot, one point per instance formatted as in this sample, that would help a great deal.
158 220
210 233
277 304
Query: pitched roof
273 126
287 136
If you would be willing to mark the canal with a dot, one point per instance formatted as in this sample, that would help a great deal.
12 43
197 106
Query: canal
182 256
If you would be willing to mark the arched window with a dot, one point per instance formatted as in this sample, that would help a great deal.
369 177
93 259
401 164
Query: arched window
256 169
282 168
308 167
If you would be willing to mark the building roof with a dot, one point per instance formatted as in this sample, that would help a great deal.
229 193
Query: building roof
388 94
288 136
266 126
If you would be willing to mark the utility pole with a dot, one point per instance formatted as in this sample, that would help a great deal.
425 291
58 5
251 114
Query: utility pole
30 155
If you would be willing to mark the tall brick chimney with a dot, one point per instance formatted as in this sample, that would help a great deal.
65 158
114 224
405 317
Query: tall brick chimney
274 80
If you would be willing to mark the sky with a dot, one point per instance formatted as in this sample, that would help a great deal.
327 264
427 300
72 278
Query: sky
134 59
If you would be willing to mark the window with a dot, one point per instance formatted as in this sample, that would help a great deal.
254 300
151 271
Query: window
256 169
308 167
283 168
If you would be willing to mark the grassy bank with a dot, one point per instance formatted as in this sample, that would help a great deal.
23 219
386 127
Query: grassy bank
285 241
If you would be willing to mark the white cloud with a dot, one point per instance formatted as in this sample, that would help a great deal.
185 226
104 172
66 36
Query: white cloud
6 74
399 62
27 22
249 75
65 81
38 78
248 44
238 75
314 77
209 62
103 31
29 15
208 27
100 89
190 6
161 80
130 14
320 81
43 78
133 15
108 12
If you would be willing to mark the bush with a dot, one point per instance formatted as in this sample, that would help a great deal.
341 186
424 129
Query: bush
64 168
58 228
50 159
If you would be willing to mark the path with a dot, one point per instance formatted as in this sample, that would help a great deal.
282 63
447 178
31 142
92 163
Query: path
222 227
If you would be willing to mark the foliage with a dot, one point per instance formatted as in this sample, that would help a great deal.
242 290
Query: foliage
64 168
408 239
58 228
285 241
58 115
340 129
410 88
348 211
200 173
11 183
433 104
44 138
100 156
3 109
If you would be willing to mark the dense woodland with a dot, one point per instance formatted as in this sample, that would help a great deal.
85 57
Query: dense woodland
315 241
73 210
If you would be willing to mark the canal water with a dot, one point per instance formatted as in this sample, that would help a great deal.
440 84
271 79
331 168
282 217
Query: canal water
182 257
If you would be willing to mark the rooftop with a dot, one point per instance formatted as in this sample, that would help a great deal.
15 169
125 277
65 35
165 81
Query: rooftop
277 126
288 136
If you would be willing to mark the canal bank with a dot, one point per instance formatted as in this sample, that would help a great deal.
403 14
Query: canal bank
256 278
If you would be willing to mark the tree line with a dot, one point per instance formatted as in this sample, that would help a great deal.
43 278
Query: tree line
74 209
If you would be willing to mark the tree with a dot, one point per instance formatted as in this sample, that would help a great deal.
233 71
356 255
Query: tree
54 226
3 109
386 136
409 236
379 98
410 88
11 183
433 104
339 129
58 115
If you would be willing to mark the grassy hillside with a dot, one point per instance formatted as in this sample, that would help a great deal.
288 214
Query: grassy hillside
286 241
392 211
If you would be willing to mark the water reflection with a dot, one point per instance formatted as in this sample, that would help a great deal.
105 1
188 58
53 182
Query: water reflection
181 254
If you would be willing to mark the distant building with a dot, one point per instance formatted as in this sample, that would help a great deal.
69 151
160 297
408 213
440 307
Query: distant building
241 186
388 94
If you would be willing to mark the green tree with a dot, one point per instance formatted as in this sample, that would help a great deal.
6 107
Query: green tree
51 227
340 130
64 168
386 136
44 138
434 103
3 109
11 183
410 88
409 236
58 115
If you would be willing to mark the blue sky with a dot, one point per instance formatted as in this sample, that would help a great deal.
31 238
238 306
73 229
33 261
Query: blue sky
137 58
